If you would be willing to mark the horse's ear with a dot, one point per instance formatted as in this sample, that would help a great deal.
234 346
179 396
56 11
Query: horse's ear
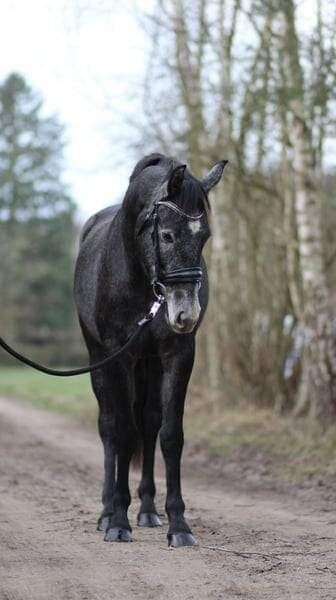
213 177
175 180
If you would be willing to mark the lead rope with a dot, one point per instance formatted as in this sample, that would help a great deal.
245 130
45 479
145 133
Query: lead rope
102 363
189 275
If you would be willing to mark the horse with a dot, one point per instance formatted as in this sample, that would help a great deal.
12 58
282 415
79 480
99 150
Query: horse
150 246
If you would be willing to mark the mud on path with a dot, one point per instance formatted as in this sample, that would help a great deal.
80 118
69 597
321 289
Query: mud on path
254 545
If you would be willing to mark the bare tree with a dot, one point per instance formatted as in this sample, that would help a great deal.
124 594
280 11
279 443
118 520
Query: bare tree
318 384
239 80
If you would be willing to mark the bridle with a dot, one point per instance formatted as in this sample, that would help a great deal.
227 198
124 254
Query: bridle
162 278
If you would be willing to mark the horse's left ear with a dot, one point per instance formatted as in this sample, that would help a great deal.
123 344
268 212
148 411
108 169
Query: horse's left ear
213 177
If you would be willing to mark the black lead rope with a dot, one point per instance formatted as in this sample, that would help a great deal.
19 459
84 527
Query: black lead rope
88 369
178 275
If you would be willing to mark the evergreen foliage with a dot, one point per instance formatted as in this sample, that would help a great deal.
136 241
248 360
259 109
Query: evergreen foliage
36 220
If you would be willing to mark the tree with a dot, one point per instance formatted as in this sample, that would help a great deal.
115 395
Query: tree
216 106
237 80
243 81
36 218
317 391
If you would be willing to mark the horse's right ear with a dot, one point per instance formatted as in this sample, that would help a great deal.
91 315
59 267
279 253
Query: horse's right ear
175 180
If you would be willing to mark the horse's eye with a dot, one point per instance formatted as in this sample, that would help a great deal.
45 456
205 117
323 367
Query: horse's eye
167 237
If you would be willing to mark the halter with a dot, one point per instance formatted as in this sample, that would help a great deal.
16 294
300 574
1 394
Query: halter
180 274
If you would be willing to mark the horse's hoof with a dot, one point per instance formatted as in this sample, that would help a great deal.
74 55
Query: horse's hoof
148 519
176 540
103 523
116 534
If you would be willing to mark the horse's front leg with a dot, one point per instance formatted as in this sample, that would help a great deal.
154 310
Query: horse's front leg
114 388
177 367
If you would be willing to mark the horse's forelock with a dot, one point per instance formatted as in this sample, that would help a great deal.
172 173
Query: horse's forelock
192 197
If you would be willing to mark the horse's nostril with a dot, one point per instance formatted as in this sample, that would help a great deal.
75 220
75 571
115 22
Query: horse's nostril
180 318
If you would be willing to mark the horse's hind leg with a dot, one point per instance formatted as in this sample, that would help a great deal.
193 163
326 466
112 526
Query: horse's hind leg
148 391
113 387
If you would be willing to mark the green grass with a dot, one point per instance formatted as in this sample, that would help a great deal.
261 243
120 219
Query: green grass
71 396
292 449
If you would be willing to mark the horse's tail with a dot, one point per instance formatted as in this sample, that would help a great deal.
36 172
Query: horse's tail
141 383
138 451
137 454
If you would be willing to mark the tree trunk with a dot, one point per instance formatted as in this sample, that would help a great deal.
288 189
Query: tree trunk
317 392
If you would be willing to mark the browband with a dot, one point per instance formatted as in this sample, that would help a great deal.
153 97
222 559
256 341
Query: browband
178 210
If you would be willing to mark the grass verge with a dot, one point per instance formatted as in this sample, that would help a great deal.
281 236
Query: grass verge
289 449
71 396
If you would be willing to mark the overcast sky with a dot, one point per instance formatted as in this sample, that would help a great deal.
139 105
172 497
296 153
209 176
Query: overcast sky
84 63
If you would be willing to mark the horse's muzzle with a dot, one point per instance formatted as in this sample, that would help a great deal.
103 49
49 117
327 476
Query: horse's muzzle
183 308
183 323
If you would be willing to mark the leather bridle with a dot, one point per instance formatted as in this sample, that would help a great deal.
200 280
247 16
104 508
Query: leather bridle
162 278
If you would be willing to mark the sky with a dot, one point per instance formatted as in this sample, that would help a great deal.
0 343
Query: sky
85 57
85 63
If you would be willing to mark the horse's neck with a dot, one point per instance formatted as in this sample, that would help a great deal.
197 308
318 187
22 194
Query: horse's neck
121 249
125 284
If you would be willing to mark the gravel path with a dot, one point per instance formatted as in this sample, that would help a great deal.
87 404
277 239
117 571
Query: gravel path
253 545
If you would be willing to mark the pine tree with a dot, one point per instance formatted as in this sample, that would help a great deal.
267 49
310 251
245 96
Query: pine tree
36 219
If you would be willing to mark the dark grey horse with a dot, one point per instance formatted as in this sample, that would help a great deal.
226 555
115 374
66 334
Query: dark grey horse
151 243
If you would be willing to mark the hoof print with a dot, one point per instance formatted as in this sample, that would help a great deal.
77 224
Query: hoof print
177 540
148 520
115 534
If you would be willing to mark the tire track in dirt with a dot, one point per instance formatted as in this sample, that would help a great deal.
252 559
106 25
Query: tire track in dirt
252 545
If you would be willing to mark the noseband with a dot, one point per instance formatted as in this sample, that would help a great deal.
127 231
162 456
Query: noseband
180 274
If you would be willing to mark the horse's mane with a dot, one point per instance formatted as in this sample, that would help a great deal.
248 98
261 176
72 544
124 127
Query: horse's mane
147 161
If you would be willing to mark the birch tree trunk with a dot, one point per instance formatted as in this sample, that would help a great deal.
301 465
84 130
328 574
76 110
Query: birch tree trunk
317 393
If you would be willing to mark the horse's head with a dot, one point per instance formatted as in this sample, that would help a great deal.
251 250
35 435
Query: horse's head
172 234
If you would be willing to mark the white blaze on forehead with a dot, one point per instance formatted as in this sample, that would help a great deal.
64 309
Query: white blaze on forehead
194 226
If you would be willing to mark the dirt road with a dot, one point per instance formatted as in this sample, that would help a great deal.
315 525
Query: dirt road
254 545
